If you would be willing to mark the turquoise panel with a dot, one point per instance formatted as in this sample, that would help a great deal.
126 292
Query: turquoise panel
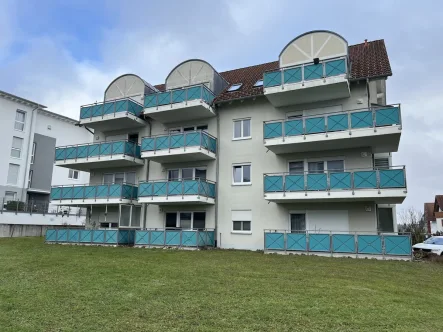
175 187
93 150
343 243
292 75
398 245
51 235
62 235
212 144
108 108
114 190
102 191
392 178
71 152
193 139
141 238
150 100
148 144
164 98
272 79
135 109
317 181
293 127
82 151
313 72
273 183
369 244
177 141
190 187
296 241
120 147
97 110
189 238
319 242
361 119
211 189
135 192
210 238
67 192
365 179
335 67
60 153
337 122
208 96
85 112
128 148
178 96
111 236
98 236
85 235
121 106
160 188
56 193
194 93
275 241
145 189
105 149
127 191
90 191
172 238
124 237
273 129
202 238
340 180
204 189
162 142
79 192
387 116
294 182
157 238
315 125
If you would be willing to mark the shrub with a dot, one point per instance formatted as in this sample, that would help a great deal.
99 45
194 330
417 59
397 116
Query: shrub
12 206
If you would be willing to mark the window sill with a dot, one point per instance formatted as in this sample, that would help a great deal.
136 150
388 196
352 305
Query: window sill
242 232
241 138
16 158
242 184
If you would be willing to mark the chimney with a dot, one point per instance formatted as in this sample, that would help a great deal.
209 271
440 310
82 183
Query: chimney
366 42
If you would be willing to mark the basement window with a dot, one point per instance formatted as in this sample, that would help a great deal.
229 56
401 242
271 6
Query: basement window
235 87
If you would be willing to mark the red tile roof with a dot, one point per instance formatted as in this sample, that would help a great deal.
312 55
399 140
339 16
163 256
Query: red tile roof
429 215
439 201
365 62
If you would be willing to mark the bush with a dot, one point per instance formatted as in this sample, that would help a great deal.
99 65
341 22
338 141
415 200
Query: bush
12 206
428 257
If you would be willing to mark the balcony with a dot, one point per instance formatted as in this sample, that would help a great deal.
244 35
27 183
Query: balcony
384 186
180 147
162 192
179 238
177 105
112 115
307 83
85 157
88 194
90 236
377 127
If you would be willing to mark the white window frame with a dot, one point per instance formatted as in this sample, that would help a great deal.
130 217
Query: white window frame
17 149
241 183
298 161
71 175
177 221
31 173
16 121
124 177
241 231
181 129
130 216
18 175
324 160
180 172
14 194
298 212
34 147
241 131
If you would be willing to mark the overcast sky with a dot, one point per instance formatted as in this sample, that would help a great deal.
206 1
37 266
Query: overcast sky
64 53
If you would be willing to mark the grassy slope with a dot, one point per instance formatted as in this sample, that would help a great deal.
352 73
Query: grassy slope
79 288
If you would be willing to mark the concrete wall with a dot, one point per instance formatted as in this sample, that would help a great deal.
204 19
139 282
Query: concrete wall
13 230
23 218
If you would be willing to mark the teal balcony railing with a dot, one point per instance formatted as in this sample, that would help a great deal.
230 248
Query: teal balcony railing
197 92
393 177
183 187
99 149
90 236
99 191
333 122
333 242
180 140
158 237
126 105
305 72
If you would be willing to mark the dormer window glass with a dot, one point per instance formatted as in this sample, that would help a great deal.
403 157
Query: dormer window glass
235 87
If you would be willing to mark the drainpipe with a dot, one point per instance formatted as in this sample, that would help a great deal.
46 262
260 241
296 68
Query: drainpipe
369 92
217 162
27 162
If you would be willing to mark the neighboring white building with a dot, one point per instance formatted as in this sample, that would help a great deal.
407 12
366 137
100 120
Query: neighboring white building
300 144
433 214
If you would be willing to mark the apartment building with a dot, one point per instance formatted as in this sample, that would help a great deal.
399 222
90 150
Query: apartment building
30 133
299 145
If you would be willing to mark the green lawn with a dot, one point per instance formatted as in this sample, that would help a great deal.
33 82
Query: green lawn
78 288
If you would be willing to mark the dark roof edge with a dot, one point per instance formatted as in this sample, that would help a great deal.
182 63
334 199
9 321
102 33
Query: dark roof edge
10 95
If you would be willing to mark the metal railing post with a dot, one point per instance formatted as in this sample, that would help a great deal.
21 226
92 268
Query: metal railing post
32 207
16 208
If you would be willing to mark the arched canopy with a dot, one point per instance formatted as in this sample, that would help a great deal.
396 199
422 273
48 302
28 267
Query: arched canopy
320 44
191 72
128 85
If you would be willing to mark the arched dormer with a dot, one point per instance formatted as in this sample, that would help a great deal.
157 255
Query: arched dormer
128 86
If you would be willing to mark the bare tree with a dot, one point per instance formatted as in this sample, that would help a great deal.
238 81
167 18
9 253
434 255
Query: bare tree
412 221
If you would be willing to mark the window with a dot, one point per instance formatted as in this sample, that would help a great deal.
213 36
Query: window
242 129
298 222
385 220
192 173
130 216
241 174
31 172
20 117
235 87
130 177
173 174
258 83
316 167
119 178
16 149
10 196
13 173
381 163
296 167
189 128
241 221
108 178
34 146
73 174
186 220
335 165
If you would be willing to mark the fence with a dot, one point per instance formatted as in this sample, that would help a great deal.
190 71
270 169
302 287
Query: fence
183 187
175 238
126 105
197 92
355 243
44 208
100 191
110 148
90 236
